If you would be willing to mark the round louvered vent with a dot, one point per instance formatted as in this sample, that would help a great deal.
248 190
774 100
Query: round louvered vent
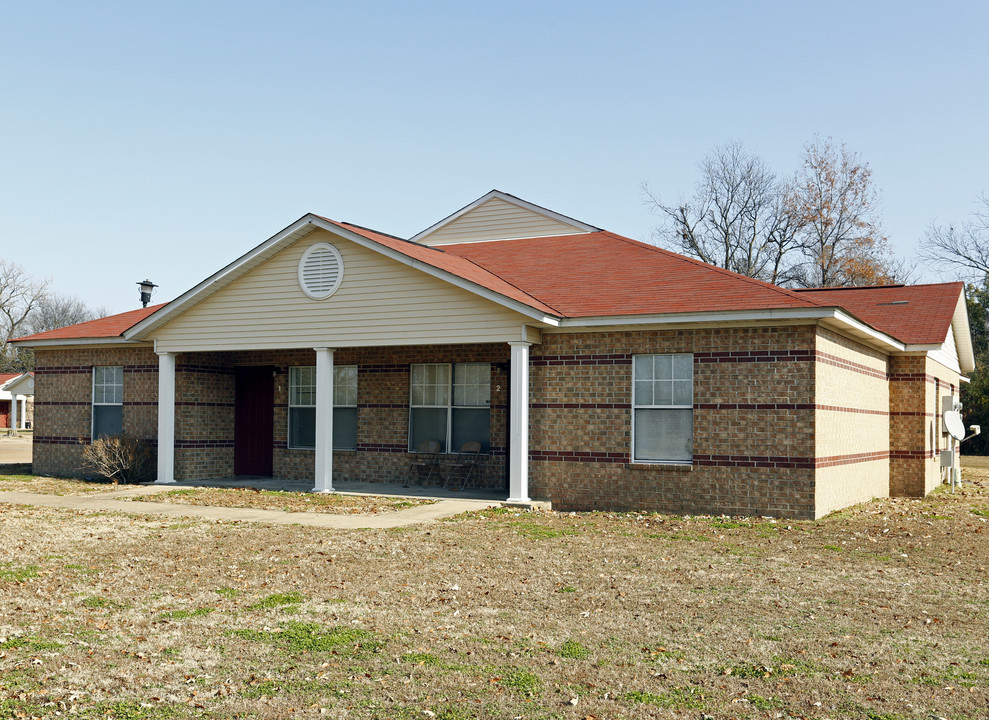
320 271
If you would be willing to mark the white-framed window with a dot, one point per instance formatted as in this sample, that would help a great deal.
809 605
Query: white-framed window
108 400
662 408
450 403
302 407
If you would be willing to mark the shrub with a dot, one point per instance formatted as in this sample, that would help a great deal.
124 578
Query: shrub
121 459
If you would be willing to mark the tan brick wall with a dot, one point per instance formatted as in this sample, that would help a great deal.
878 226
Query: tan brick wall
63 393
753 422
852 423
917 384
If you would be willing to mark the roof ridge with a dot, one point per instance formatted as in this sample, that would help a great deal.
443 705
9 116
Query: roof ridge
723 271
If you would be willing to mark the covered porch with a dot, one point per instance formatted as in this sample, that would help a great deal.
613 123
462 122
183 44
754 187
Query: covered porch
346 419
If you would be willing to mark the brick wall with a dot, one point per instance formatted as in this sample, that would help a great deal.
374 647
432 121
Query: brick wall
852 423
63 393
917 384
753 422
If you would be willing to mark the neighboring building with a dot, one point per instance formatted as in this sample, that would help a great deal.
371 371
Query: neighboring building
16 400
597 372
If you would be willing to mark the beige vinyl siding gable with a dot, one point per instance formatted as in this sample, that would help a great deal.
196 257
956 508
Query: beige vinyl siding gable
379 302
498 219
947 354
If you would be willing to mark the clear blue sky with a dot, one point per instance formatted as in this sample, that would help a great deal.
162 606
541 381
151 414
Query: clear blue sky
164 140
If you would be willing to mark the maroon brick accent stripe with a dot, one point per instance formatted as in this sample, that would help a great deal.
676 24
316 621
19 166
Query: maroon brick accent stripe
860 411
383 447
739 461
194 403
840 362
387 406
851 459
911 454
192 444
911 413
60 403
138 403
56 440
755 406
605 359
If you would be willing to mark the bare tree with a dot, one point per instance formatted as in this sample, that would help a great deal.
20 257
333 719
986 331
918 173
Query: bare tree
19 295
55 311
965 248
837 207
736 219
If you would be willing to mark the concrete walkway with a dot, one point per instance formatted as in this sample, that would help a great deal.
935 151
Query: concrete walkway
116 502
14 449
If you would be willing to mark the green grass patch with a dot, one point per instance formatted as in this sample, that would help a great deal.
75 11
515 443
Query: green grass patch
227 592
277 600
310 689
981 512
29 643
17 574
574 650
567 589
535 531
299 637
762 703
834 548
421 658
677 698
522 682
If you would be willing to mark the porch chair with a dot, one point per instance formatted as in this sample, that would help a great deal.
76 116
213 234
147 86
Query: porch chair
465 464
425 463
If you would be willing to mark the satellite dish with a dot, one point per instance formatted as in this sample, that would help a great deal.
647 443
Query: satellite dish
954 425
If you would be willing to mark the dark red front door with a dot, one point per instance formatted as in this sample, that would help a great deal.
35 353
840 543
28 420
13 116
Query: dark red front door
253 421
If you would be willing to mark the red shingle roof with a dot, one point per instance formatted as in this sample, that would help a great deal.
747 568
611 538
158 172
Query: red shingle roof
913 314
110 326
602 274
7 377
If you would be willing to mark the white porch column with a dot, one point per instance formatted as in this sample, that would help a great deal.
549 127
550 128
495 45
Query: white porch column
518 413
166 418
24 412
13 415
324 420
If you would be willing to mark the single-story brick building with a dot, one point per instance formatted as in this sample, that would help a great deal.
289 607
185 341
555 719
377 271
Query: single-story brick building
596 371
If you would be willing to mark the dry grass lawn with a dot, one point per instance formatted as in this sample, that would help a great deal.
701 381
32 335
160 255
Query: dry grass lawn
880 611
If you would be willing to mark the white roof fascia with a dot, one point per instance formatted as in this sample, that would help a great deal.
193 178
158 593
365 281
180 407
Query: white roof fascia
576 224
294 232
811 313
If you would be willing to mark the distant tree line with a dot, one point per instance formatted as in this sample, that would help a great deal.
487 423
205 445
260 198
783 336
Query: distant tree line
29 306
